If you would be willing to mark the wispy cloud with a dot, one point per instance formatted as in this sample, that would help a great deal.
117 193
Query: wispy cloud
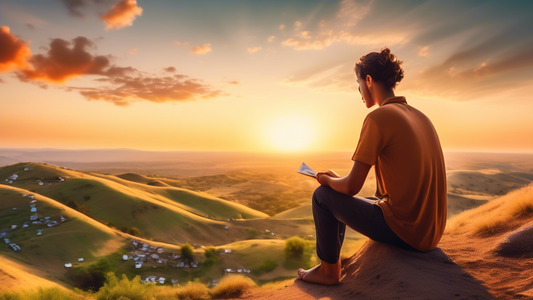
281 26
424 51
73 7
133 51
124 89
254 49
122 14
203 49
234 82
341 29
271 38
14 53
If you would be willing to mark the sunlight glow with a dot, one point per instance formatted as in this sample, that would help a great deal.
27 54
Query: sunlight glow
291 133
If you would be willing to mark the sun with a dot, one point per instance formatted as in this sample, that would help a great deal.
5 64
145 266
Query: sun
290 133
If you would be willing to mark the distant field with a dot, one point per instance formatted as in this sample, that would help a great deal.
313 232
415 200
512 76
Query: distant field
248 204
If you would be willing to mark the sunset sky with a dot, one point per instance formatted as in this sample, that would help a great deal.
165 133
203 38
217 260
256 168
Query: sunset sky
261 76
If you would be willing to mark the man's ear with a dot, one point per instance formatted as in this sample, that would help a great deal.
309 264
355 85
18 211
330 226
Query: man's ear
369 82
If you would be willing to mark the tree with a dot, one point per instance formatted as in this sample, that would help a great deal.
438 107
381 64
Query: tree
295 246
187 252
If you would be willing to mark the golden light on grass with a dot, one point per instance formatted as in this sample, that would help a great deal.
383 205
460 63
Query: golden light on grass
232 286
290 133
495 215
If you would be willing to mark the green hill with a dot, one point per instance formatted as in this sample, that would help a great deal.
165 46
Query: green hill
165 214
77 237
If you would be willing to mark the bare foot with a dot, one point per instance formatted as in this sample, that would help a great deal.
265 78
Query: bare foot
325 273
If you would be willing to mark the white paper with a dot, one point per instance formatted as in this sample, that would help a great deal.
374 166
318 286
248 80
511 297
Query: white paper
306 170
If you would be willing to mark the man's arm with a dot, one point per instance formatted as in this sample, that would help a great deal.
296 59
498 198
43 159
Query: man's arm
350 184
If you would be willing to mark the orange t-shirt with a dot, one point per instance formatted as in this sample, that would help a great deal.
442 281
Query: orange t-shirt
411 178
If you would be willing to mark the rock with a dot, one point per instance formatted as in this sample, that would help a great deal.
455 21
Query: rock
518 243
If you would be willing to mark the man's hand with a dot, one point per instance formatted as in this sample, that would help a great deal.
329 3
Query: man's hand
329 173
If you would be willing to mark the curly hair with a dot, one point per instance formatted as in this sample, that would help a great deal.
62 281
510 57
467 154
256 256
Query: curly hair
382 66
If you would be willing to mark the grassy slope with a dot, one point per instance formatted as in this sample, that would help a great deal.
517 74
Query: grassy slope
196 202
78 237
155 211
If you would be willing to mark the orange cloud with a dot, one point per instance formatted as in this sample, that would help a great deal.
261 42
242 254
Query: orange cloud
271 38
206 48
177 43
14 53
297 24
122 14
253 49
235 82
121 85
133 51
281 26
63 62
127 89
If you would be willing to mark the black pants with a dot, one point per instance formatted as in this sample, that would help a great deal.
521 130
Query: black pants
332 211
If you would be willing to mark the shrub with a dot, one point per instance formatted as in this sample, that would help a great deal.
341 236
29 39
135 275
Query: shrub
193 291
266 267
53 293
124 288
232 286
211 252
187 252
133 231
295 246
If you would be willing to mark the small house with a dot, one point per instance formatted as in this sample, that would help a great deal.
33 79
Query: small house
154 256
33 218
31 196
138 264
33 209
174 281
13 177
69 265
239 270
227 251
160 250
226 227
161 280
15 247
39 232
13 226
26 169
14 208
7 180
80 259
25 226
41 183
10 182
7 241
125 257
52 223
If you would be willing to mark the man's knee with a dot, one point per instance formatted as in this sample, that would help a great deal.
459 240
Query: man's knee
320 193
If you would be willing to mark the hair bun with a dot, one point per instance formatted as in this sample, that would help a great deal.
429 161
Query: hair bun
383 67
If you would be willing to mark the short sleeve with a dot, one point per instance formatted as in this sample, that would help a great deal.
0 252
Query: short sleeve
370 143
